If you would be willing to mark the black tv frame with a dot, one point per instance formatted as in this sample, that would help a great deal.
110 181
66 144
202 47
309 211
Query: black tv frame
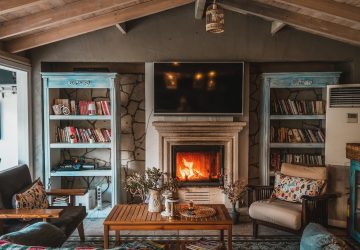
200 114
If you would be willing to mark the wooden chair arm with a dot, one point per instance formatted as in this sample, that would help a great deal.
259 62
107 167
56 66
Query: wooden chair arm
30 213
259 193
319 197
315 208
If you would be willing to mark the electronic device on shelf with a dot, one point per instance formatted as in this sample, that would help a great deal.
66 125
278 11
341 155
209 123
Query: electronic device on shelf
98 198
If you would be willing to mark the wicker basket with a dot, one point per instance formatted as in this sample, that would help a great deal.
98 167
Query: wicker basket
353 151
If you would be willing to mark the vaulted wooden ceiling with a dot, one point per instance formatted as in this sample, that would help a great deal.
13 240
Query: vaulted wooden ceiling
26 24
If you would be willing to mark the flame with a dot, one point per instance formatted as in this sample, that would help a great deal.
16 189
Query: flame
197 166
188 171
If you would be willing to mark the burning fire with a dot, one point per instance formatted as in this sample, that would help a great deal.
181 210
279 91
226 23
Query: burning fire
188 171
197 166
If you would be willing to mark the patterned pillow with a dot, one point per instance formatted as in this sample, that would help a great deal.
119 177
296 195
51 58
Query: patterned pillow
291 188
32 198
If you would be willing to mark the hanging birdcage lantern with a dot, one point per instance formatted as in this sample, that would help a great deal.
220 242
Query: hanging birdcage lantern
214 18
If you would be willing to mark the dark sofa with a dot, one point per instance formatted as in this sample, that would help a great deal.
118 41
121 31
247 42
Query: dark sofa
17 179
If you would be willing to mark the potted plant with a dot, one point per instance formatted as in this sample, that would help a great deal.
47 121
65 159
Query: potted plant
148 185
234 191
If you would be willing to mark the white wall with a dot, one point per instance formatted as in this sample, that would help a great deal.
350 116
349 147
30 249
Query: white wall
9 132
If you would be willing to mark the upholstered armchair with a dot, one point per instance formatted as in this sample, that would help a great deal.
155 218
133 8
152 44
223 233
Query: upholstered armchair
285 215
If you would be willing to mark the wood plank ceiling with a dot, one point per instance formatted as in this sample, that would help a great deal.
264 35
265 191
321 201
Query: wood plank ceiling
26 24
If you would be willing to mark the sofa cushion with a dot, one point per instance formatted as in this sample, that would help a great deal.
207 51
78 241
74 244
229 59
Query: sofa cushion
316 237
317 173
12 181
1 203
38 234
70 218
291 188
282 213
34 197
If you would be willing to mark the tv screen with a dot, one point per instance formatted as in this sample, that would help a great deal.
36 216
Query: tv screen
198 88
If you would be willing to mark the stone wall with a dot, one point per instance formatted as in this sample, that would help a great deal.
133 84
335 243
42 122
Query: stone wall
132 91
254 128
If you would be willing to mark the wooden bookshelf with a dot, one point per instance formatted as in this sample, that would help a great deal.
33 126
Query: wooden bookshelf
273 84
61 86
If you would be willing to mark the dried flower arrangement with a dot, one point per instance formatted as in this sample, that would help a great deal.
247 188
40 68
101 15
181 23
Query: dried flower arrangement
234 190
139 185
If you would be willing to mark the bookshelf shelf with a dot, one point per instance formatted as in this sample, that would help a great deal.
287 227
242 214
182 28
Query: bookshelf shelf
81 173
297 145
77 91
80 117
297 117
81 145
292 93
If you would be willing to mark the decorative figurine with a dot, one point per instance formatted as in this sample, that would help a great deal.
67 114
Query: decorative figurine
167 194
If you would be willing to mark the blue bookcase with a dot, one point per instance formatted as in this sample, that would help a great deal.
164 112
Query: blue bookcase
72 86
355 199
296 86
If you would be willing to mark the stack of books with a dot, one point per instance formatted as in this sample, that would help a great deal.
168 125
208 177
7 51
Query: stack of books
82 107
60 201
304 159
294 135
293 107
83 135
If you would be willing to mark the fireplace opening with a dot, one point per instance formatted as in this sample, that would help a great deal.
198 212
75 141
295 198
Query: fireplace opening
198 165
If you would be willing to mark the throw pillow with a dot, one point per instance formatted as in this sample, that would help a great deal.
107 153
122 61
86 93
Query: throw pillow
32 198
291 188
316 237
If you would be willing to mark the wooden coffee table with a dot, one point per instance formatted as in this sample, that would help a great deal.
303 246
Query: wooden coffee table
137 217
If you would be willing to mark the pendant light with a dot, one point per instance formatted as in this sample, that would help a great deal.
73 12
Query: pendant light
214 18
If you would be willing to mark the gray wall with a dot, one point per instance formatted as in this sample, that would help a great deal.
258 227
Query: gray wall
176 35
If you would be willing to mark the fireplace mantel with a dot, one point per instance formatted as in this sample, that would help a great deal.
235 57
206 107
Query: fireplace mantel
200 133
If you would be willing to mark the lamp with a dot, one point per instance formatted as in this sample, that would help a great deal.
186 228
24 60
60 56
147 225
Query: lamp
214 18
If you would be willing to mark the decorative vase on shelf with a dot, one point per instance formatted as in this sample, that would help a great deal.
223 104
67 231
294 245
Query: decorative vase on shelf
234 214
154 205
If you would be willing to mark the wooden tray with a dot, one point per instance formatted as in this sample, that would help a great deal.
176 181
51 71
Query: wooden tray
198 212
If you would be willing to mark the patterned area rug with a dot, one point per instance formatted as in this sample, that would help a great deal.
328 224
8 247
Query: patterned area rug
239 242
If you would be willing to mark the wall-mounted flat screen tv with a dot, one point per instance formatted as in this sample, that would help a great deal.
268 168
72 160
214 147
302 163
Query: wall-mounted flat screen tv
201 88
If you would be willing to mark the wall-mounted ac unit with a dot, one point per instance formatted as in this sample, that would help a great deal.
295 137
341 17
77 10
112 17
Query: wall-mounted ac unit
342 121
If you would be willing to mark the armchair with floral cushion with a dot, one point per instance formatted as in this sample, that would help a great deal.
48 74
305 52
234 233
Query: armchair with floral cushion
24 202
297 198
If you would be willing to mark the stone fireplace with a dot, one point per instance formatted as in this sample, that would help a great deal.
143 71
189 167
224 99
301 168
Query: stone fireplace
199 154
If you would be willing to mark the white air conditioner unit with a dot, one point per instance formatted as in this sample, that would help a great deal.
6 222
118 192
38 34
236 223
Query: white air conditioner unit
342 122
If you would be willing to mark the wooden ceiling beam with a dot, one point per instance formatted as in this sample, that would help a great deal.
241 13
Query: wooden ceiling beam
199 8
54 16
121 27
92 24
276 26
328 7
299 21
8 6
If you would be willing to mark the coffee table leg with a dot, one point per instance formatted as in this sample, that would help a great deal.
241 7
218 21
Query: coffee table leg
117 238
221 235
106 236
230 237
